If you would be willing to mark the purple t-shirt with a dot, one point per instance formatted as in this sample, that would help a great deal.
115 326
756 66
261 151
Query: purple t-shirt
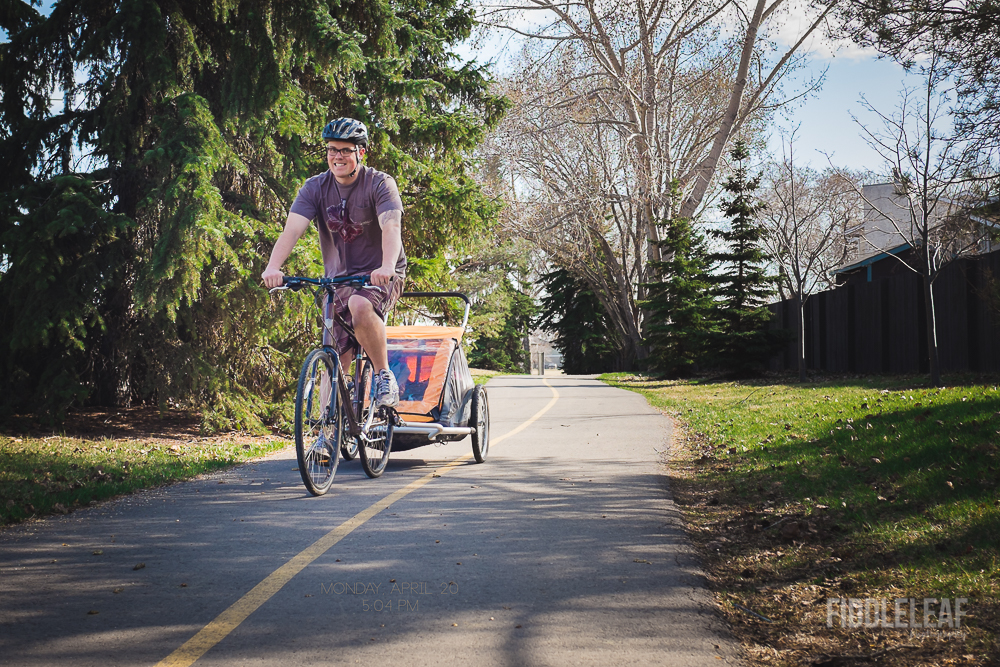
354 248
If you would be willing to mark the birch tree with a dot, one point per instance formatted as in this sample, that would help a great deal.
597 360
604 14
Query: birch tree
614 101
807 217
938 179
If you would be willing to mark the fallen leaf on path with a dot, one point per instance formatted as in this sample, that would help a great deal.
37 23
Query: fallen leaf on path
139 566
98 553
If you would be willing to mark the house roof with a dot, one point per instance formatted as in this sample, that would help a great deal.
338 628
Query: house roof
868 261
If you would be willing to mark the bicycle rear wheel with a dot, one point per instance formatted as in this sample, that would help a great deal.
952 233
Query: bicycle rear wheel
318 422
376 439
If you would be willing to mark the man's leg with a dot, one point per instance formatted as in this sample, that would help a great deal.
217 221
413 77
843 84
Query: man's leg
369 329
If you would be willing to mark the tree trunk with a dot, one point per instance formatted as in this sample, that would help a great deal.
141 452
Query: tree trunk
526 346
932 342
801 306
706 170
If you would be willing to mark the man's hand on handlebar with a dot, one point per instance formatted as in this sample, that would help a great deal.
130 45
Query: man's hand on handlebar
382 276
273 278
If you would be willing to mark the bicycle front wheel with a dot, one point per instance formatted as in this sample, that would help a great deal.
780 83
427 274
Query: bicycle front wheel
376 432
318 422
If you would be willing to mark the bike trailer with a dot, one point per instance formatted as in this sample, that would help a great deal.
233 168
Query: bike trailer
437 395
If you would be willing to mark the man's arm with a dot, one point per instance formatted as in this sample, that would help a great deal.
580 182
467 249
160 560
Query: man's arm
392 245
295 226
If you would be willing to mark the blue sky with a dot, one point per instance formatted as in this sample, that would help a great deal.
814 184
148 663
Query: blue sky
824 121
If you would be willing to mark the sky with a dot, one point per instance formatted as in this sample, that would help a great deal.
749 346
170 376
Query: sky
824 122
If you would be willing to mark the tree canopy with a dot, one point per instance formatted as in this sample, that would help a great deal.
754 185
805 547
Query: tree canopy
150 150
587 341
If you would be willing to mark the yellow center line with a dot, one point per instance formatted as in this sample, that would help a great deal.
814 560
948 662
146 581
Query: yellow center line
227 621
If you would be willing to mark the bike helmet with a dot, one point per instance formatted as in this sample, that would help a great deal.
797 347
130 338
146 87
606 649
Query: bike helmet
346 129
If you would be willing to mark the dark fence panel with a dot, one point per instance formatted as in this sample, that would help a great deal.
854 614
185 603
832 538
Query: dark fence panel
880 327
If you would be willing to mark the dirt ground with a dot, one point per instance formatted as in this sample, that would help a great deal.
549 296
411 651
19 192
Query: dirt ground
140 423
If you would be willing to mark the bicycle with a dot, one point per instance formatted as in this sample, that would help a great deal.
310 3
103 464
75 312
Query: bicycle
321 414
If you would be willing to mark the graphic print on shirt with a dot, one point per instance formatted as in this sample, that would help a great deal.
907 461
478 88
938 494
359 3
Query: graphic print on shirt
338 220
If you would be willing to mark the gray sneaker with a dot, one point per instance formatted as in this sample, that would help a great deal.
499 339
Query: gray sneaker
386 389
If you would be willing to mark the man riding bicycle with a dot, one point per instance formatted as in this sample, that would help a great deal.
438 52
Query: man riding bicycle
345 202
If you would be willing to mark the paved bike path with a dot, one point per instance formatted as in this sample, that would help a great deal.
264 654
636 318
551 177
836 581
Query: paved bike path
562 549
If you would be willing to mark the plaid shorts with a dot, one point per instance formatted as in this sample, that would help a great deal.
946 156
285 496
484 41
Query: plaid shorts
382 298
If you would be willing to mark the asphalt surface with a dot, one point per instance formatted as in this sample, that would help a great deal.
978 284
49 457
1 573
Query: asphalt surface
564 548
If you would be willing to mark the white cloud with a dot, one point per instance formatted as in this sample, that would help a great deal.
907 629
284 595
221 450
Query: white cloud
787 26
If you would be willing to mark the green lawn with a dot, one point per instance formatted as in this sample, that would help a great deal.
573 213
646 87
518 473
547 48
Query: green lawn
885 487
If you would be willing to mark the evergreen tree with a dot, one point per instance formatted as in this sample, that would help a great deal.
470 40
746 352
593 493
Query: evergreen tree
742 287
572 311
500 329
135 220
680 305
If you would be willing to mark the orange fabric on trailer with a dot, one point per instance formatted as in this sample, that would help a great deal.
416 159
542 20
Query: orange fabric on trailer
426 332
420 364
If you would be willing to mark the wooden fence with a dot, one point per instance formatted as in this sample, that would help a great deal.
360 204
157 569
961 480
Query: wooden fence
880 326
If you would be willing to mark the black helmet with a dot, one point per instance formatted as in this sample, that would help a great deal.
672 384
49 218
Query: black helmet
346 129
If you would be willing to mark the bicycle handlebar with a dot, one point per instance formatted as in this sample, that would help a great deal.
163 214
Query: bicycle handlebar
295 283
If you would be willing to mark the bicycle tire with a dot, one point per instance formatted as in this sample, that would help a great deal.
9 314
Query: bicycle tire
479 418
318 423
362 383
376 441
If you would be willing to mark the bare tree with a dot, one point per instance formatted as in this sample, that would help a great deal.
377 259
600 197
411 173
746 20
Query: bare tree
578 206
938 186
807 217
614 102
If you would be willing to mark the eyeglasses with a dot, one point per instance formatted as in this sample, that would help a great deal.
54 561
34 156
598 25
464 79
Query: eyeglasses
338 221
342 152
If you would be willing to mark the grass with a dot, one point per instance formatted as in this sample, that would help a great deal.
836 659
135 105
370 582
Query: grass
480 376
864 487
40 476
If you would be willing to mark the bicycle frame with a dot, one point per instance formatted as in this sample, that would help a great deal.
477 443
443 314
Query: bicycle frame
329 285
354 427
